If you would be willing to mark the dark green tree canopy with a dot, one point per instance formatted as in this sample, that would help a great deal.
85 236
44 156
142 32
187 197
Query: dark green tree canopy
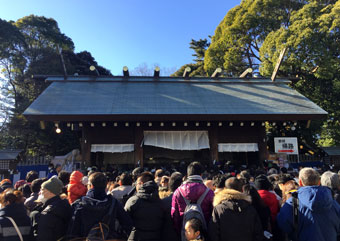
197 68
30 46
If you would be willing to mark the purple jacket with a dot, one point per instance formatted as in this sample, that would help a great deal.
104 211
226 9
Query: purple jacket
191 191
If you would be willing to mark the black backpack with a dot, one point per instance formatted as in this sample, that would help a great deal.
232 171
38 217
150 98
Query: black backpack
100 231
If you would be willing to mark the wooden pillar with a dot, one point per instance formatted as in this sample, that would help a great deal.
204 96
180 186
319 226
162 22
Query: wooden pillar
213 142
139 136
86 146
262 143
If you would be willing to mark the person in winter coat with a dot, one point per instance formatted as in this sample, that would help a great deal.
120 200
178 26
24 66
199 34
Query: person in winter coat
263 186
12 207
75 188
233 217
261 208
50 219
93 208
169 233
332 180
319 213
125 186
146 210
191 189
31 202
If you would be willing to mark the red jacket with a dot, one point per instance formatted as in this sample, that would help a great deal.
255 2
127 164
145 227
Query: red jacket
271 201
75 188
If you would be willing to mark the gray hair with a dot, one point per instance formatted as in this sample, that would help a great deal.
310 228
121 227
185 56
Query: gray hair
309 176
331 180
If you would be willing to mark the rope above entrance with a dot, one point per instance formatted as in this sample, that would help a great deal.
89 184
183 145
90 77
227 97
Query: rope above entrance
177 140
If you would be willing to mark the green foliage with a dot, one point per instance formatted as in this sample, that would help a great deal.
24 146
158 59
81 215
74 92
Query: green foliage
197 69
313 55
239 37
28 47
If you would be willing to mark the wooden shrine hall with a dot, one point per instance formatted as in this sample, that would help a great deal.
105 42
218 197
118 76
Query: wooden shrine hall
147 120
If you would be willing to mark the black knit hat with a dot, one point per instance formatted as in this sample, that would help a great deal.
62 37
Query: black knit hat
262 183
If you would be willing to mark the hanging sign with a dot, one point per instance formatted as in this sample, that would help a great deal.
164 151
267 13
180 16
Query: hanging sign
287 145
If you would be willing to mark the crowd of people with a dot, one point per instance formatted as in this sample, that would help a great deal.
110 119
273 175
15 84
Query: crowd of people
227 203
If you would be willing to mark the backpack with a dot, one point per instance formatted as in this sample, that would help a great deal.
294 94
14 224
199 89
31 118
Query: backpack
100 230
193 210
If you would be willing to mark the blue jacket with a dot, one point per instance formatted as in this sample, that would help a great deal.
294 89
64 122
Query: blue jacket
319 215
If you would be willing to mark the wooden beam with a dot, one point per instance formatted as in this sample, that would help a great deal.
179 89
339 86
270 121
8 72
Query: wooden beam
213 142
139 136
186 72
217 72
278 63
247 71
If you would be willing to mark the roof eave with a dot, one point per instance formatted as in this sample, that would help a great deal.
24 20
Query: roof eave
178 117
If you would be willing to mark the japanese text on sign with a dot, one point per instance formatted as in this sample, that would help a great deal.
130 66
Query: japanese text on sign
286 145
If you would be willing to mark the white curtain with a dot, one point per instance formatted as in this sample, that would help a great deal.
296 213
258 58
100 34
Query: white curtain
177 140
238 147
113 148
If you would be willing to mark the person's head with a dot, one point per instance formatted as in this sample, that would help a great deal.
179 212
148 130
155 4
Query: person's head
164 181
175 181
125 179
262 183
26 190
245 174
309 177
272 171
219 180
193 229
143 178
159 173
331 180
36 185
234 183
58 168
209 184
50 188
194 168
283 179
31 176
64 176
97 181
10 196
19 184
136 172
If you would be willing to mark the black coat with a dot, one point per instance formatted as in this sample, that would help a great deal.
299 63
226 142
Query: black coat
147 213
19 215
168 233
234 218
92 208
50 220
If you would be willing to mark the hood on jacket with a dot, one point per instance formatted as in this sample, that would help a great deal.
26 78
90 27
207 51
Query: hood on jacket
149 190
192 190
229 195
315 198
76 177
14 209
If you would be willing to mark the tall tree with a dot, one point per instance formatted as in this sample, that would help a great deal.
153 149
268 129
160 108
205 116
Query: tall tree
36 52
197 68
313 55
239 37
253 34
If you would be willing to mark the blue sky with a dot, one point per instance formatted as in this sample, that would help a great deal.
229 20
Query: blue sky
129 32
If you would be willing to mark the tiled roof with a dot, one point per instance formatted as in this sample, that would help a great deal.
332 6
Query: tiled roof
115 96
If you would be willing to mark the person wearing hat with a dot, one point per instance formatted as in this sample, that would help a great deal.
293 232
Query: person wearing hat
50 219
4 184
